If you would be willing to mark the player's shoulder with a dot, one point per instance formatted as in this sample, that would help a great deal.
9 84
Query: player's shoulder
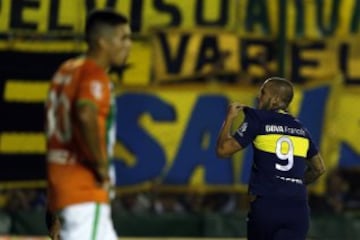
302 126
299 123
257 113
87 70
250 111
266 116
72 64
83 64
90 69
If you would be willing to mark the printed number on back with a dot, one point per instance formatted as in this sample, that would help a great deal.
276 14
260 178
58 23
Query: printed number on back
287 157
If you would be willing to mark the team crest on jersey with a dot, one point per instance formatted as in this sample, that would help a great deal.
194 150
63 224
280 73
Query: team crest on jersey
242 129
96 89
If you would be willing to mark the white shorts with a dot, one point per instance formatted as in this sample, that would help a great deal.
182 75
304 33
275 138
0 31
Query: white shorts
87 221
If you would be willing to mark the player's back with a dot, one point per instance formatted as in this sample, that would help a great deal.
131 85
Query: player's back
281 146
77 81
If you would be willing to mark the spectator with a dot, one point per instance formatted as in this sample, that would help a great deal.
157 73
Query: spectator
134 203
336 192
168 203
335 197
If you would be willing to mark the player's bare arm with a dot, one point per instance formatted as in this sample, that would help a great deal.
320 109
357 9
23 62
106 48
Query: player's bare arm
227 145
87 116
315 168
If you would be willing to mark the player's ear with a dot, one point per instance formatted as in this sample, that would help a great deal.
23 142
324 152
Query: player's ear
103 43
275 102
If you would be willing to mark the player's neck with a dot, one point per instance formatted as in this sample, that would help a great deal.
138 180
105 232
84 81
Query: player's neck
279 110
98 59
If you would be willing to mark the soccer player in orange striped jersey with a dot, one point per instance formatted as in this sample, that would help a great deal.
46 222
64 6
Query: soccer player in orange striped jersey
79 121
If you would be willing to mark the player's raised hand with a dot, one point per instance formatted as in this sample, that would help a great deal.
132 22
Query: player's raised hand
234 109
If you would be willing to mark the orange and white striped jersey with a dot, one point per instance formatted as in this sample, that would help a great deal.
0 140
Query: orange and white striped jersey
77 81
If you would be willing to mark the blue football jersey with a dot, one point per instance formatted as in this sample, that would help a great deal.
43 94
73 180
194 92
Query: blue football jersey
281 144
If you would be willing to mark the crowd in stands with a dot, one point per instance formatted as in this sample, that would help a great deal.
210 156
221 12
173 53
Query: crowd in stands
342 194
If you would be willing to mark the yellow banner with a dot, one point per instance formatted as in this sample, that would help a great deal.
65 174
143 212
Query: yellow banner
345 126
186 55
168 134
309 19
179 55
191 55
177 128
208 31
66 17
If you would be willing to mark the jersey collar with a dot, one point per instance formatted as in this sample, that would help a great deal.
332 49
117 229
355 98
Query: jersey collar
282 111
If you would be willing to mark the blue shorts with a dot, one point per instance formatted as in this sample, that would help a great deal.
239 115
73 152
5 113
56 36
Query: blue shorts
275 218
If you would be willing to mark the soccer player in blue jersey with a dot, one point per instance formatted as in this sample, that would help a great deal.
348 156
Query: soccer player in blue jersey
285 160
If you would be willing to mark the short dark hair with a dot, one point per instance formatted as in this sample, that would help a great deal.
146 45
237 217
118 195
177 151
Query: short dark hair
98 20
284 89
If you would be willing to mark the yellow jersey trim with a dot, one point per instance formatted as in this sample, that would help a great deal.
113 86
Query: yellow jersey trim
268 143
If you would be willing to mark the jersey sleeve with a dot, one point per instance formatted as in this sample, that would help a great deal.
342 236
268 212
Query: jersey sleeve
92 89
248 129
313 150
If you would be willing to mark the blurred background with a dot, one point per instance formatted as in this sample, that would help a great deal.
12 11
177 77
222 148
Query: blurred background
189 59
